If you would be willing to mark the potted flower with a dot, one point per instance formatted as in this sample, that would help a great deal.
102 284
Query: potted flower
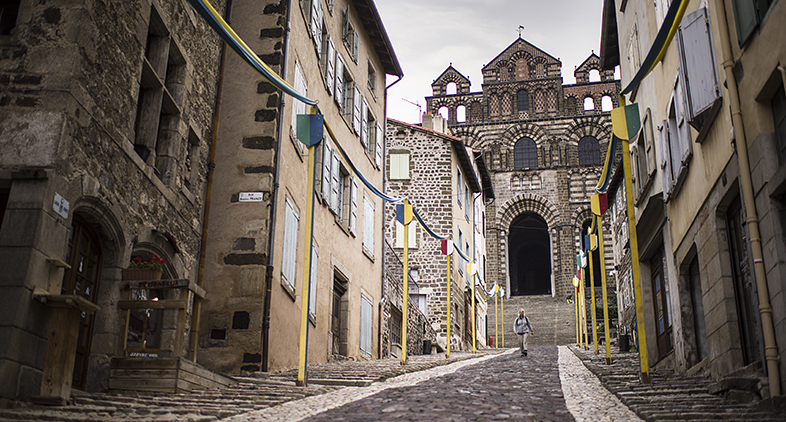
144 269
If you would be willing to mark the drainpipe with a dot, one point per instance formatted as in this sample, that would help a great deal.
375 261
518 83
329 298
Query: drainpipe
211 167
274 201
752 218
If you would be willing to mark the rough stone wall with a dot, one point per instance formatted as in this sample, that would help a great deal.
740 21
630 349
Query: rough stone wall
69 83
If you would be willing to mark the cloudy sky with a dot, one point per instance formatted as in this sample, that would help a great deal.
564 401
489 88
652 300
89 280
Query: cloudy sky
429 35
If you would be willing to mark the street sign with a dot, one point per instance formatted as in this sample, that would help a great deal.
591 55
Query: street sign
252 196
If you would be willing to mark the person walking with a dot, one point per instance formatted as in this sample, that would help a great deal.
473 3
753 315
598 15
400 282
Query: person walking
523 328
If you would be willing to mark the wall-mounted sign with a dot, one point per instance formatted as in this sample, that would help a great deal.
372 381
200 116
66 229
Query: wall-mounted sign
61 206
251 196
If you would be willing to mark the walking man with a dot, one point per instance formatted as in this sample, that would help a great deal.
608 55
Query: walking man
523 328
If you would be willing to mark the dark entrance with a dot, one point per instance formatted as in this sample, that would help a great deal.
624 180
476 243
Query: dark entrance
529 254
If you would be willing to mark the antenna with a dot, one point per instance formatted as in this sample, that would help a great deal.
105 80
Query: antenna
420 110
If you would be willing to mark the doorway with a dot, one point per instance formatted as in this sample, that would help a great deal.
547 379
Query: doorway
660 301
530 256
339 320
82 279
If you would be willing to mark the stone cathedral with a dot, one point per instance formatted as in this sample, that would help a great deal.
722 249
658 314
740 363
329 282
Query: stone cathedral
543 143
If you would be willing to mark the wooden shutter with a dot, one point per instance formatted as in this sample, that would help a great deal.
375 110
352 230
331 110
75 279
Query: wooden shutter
635 171
378 151
327 179
316 24
330 67
335 174
649 143
312 288
289 254
680 107
353 206
339 97
364 123
354 45
459 192
368 226
366 317
665 158
357 100
697 63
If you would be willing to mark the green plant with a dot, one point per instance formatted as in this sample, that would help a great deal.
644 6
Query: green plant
154 261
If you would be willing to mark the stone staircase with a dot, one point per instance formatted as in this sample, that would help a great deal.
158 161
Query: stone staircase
553 320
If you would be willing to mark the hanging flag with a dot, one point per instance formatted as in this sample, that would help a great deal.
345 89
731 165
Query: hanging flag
593 242
447 247
599 203
625 121
310 128
586 243
404 212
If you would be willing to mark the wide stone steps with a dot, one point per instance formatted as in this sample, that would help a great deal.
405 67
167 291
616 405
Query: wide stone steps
553 320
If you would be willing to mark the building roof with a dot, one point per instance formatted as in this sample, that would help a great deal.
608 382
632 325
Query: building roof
485 177
372 23
609 43
517 45
473 178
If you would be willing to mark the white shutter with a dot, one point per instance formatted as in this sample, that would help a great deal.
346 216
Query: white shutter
635 171
354 45
378 151
288 259
339 82
649 143
665 159
330 69
316 24
299 84
685 149
357 100
335 174
353 206
312 288
697 62
368 226
327 160
366 317
364 123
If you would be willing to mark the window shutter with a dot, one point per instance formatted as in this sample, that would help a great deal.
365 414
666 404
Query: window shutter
649 142
366 316
635 171
312 288
357 100
459 192
364 123
665 162
680 109
330 69
469 202
316 24
354 45
290 245
335 174
339 82
746 19
353 206
298 84
327 179
697 63
368 226
378 150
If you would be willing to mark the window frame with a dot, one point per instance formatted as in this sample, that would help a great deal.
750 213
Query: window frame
522 154
399 166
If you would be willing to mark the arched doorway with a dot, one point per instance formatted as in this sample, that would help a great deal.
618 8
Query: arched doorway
530 256
82 279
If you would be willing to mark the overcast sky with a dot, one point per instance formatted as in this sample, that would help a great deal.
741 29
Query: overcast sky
427 35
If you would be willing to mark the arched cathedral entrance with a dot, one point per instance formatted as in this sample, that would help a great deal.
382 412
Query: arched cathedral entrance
530 256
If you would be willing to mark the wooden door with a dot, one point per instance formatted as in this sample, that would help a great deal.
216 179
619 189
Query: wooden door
82 279
660 301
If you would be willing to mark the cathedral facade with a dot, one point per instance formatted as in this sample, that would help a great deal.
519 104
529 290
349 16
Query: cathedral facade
543 143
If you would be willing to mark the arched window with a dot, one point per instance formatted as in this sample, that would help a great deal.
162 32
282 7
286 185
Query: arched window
589 151
450 89
475 111
443 111
589 104
525 154
522 69
606 104
594 75
522 101
461 113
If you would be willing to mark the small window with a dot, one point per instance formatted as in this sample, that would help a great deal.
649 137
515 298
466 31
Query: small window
451 88
748 15
191 163
522 100
350 37
589 151
525 154
443 111
399 166
372 80
594 75
606 104
458 245
589 104
461 114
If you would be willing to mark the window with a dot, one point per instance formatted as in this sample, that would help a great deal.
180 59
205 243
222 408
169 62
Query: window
291 222
468 207
469 273
525 154
399 166
697 302
645 154
661 7
350 37
315 17
340 88
589 151
372 80
660 299
191 163
589 104
395 326
458 187
366 317
461 114
522 99
458 245
353 206
158 111
699 71
412 239
634 58
298 107
312 284
328 63
339 190
778 104
8 12
748 15
380 135
357 108
368 226
364 129
606 103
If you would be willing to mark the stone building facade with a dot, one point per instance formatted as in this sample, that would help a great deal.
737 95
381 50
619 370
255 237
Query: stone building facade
105 112
449 185
337 53
543 143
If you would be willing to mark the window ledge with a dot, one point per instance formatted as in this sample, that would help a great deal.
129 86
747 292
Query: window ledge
289 289
368 254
